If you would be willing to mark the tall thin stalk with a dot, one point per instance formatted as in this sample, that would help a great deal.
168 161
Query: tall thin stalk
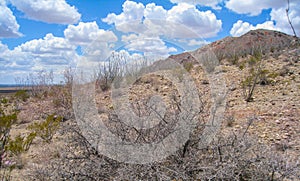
289 20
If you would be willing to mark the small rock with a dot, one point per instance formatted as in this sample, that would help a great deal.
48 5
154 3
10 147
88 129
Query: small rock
165 88
204 82
285 137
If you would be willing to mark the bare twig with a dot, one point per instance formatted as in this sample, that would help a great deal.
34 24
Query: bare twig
288 17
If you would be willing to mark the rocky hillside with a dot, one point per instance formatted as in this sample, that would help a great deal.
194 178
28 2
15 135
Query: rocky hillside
262 40
276 103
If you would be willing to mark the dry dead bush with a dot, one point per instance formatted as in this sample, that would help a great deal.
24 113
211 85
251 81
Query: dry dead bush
236 156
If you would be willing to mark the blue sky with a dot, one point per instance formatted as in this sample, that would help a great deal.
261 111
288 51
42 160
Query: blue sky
54 35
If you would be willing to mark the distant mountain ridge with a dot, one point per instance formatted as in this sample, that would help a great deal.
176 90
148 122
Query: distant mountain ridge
261 40
264 41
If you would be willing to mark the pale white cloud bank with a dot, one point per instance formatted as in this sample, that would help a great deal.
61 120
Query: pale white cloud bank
50 11
48 53
15 59
197 43
150 46
8 23
3 61
50 50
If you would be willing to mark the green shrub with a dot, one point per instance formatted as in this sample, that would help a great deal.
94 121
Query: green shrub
9 146
273 75
242 65
188 66
4 101
233 59
263 78
47 128
256 75
6 122
20 144
22 95
253 61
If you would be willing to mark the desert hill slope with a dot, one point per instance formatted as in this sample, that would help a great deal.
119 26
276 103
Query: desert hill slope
276 100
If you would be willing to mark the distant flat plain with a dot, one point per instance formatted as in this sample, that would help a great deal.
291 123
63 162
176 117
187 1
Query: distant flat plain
6 90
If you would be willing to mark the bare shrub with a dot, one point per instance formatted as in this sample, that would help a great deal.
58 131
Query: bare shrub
118 65
255 72
61 95
237 156
38 83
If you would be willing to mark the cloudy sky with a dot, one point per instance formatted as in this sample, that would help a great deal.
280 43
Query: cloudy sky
53 35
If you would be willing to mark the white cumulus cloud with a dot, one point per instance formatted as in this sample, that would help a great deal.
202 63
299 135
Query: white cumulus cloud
95 42
8 23
49 51
152 11
204 23
85 33
178 22
279 16
129 20
208 3
50 11
239 28
253 7
15 59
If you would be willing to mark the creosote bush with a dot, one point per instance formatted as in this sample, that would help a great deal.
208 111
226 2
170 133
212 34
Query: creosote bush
22 95
4 101
47 128
6 122
188 66
7 119
20 144
12 147
256 74
233 59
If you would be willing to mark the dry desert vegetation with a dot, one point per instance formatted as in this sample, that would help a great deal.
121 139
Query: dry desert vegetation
259 138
